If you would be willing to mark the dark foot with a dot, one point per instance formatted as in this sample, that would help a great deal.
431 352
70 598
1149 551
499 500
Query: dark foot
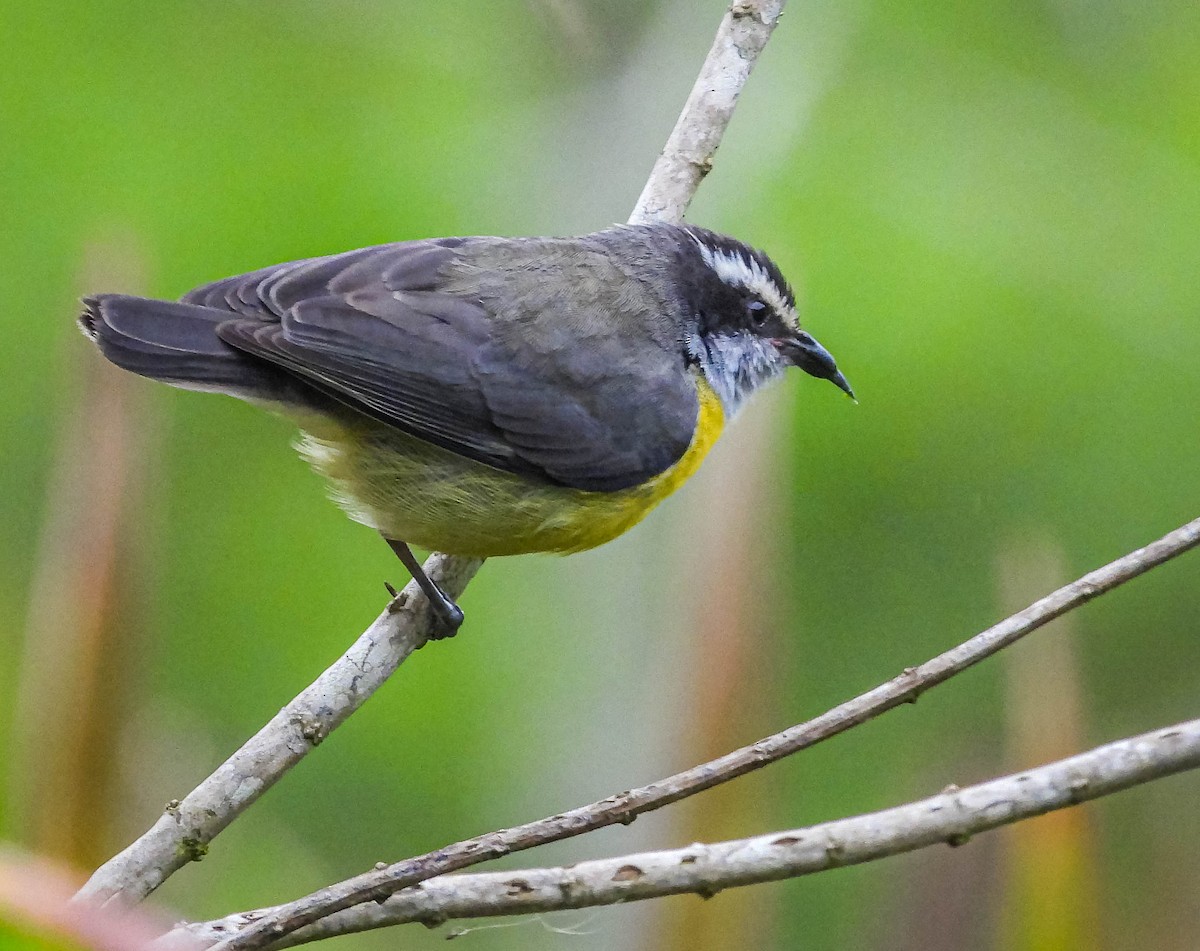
448 616
448 619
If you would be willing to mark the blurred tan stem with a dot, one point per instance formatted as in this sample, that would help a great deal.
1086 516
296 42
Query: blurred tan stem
1051 893
76 671
732 551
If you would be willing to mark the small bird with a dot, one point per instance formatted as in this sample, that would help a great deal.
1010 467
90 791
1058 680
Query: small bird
488 396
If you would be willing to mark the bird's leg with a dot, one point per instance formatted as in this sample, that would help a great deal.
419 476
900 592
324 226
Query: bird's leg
448 613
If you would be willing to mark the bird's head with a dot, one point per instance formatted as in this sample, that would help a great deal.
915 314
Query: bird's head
743 330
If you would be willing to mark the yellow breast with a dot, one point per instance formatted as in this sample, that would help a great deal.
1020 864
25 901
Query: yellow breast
419 493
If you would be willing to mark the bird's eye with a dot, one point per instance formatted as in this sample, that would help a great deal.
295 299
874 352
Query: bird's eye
757 312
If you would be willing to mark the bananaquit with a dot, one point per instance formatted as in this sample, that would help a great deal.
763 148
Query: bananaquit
488 396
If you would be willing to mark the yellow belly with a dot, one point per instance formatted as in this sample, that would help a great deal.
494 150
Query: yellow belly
413 491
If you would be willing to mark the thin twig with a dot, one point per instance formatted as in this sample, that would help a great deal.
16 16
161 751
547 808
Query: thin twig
688 155
183 832
951 817
624 807
186 827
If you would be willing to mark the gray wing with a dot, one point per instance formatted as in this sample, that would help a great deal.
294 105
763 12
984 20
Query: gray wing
380 330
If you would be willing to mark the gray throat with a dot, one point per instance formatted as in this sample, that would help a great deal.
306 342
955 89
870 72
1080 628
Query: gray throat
735 365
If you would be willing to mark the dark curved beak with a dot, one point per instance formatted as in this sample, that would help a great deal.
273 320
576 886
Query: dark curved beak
804 352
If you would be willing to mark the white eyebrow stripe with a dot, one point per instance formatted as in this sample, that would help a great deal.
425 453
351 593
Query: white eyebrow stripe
739 271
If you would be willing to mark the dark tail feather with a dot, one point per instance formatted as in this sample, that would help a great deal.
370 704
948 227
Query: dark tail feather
177 344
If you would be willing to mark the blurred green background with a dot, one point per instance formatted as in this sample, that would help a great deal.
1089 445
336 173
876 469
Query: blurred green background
992 214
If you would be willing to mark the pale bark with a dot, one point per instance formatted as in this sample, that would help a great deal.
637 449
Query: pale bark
186 827
951 817
624 807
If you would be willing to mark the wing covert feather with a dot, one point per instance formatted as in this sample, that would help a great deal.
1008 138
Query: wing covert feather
379 330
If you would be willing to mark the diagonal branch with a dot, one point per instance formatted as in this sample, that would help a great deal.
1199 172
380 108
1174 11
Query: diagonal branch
377 885
185 829
688 155
952 816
